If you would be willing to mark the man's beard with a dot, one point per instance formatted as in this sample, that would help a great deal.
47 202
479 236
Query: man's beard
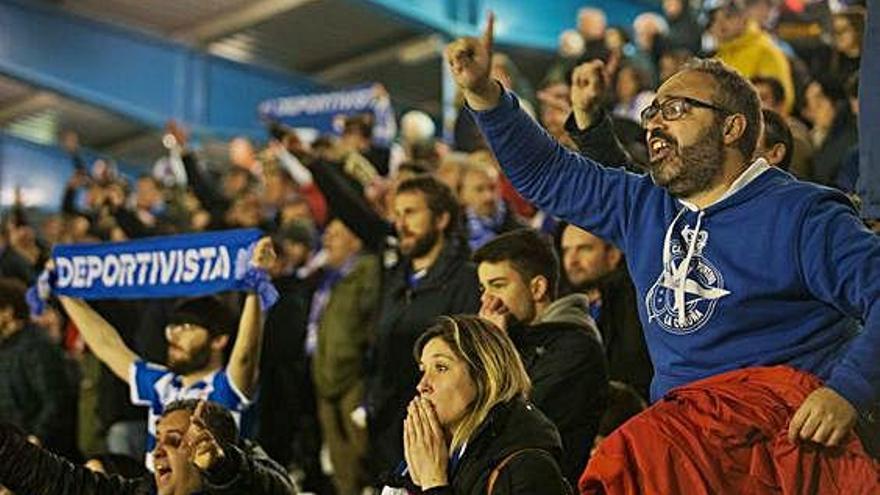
423 244
197 360
698 164
592 283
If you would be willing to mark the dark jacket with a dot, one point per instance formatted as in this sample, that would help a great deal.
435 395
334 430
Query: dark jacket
563 356
509 428
26 468
450 287
622 334
35 390
829 157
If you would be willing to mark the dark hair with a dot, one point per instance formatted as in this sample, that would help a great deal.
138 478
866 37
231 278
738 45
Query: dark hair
219 421
623 403
123 465
12 296
776 131
207 312
776 87
440 200
359 123
529 253
414 167
735 94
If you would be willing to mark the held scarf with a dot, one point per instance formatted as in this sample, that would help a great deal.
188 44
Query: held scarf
169 266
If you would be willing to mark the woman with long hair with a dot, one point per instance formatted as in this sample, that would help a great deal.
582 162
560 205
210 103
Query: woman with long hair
471 429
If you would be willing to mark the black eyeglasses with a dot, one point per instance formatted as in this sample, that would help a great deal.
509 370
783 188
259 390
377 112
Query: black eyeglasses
675 108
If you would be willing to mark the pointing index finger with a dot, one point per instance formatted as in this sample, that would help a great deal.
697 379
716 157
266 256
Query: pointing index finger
489 33
197 415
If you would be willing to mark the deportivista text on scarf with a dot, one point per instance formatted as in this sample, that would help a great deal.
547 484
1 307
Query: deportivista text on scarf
169 266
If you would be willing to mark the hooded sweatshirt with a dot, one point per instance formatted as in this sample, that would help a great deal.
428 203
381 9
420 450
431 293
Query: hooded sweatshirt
776 272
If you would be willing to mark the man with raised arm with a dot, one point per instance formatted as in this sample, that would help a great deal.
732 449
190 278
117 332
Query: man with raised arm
759 294
198 333
198 452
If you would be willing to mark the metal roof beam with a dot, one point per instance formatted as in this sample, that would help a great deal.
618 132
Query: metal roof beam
236 20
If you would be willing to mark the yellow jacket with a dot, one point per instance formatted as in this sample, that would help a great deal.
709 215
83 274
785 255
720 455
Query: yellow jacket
754 53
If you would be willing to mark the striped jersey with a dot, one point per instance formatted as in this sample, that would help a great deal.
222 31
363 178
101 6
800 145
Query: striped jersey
155 386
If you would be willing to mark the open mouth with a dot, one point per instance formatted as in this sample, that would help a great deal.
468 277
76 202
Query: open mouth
163 474
659 149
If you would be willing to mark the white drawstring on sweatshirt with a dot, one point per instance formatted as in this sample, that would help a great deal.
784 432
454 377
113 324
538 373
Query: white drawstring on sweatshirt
675 277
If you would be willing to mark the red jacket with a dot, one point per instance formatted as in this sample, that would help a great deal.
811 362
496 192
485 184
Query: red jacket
728 434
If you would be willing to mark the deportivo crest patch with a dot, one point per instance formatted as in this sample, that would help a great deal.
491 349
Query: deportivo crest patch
696 287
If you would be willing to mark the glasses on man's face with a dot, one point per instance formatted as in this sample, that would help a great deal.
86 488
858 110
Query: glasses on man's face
675 108
175 330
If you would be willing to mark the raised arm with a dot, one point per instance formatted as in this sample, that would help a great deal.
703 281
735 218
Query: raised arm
560 182
101 337
244 363
26 468
350 206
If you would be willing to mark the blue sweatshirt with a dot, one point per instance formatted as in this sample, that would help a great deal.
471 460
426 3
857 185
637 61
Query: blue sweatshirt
776 272
869 115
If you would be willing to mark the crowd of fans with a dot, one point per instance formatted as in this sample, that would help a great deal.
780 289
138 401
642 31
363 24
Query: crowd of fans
374 244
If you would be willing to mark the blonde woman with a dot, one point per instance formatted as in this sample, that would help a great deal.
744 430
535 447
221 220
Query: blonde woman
470 429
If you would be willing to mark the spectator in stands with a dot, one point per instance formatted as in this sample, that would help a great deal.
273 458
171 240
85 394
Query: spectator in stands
849 30
553 108
197 337
834 129
772 95
35 391
198 451
471 429
597 270
746 47
555 337
684 30
434 277
427 273
357 136
704 183
671 61
649 31
776 142
633 92
591 24
343 312
487 215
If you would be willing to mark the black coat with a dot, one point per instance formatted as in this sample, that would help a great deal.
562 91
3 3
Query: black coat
450 287
622 334
26 468
569 384
509 428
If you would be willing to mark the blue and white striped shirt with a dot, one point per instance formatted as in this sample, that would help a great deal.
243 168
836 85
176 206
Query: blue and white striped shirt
155 386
